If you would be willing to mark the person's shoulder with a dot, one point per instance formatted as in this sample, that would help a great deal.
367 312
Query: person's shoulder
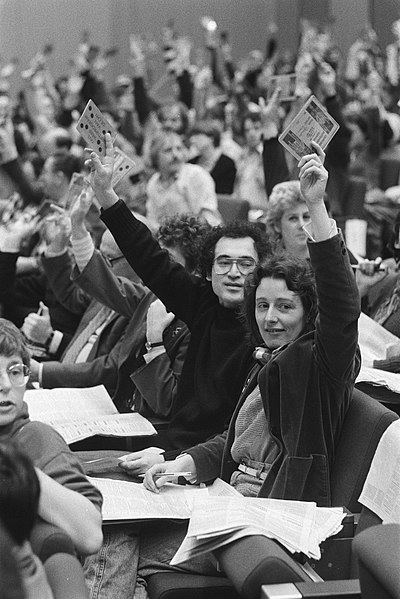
39 438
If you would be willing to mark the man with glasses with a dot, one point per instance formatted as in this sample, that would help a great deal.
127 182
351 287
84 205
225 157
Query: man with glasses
218 357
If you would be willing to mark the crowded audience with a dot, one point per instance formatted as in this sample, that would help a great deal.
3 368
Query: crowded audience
209 290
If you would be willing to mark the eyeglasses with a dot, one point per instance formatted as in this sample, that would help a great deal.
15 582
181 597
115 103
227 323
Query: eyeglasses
223 265
18 374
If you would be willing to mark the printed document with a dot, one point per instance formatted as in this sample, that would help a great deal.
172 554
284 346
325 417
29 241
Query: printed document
381 491
81 413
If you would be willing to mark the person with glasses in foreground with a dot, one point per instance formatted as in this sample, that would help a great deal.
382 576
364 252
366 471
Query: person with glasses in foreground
281 440
67 499
219 356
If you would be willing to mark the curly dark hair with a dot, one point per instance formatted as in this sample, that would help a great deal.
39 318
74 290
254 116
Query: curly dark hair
12 341
234 230
185 232
299 278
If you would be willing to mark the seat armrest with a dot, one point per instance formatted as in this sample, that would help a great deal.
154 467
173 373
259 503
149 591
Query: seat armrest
345 589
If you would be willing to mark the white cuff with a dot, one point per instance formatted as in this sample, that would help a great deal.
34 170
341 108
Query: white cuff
153 353
309 232
83 250
40 374
55 342
49 254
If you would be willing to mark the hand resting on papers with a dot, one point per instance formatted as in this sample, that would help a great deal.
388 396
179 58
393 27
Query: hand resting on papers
152 481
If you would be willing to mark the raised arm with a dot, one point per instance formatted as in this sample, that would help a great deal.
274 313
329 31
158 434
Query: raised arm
176 288
338 297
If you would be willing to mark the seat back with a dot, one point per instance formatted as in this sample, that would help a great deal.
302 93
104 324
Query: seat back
377 551
365 422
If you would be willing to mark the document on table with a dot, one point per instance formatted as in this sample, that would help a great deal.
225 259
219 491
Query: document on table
381 491
124 501
215 521
81 413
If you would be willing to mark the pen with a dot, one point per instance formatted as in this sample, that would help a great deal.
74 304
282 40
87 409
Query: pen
380 269
173 474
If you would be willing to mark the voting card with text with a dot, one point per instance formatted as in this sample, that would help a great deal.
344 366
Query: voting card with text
312 123
93 126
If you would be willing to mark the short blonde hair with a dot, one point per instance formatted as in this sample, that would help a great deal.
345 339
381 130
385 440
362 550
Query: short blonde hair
284 196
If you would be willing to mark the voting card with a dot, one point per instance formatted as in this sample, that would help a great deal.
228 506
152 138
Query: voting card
93 126
123 165
312 123
286 83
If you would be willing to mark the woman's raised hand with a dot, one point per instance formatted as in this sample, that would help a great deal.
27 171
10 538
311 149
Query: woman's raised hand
313 175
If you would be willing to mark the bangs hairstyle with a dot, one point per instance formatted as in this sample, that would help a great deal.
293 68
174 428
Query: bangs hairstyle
19 492
12 342
284 196
298 277
234 230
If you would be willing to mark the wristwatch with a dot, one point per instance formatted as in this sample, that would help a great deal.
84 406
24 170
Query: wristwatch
149 346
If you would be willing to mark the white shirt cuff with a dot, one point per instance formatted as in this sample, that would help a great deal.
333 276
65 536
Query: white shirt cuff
55 342
83 250
153 353
40 374
309 232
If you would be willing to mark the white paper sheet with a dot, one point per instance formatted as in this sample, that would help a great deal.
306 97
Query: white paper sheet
81 413
381 491
376 343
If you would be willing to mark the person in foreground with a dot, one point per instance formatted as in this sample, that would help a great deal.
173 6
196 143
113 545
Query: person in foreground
282 436
67 499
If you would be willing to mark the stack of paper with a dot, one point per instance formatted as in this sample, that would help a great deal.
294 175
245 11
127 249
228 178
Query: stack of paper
299 526
381 491
81 413
126 501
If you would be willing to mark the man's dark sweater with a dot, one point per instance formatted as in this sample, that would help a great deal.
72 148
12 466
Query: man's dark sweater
218 357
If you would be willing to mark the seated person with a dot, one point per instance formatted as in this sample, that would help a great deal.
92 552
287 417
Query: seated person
147 360
19 504
176 187
205 137
287 214
67 499
281 440
219 356
379 286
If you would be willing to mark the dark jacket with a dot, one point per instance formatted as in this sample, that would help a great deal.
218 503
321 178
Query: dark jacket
306 390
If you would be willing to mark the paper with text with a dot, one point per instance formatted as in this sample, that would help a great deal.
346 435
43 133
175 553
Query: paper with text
311 123
81 413
381 491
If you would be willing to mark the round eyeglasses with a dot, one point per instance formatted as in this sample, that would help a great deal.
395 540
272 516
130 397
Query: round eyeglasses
18 374
223 265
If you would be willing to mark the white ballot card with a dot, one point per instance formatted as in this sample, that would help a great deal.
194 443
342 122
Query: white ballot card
123 165
93 126
312 123
286 83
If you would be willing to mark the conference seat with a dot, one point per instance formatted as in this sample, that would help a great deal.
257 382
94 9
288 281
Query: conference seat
255 561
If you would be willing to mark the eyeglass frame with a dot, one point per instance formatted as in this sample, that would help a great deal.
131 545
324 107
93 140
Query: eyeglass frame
233 261
26 374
